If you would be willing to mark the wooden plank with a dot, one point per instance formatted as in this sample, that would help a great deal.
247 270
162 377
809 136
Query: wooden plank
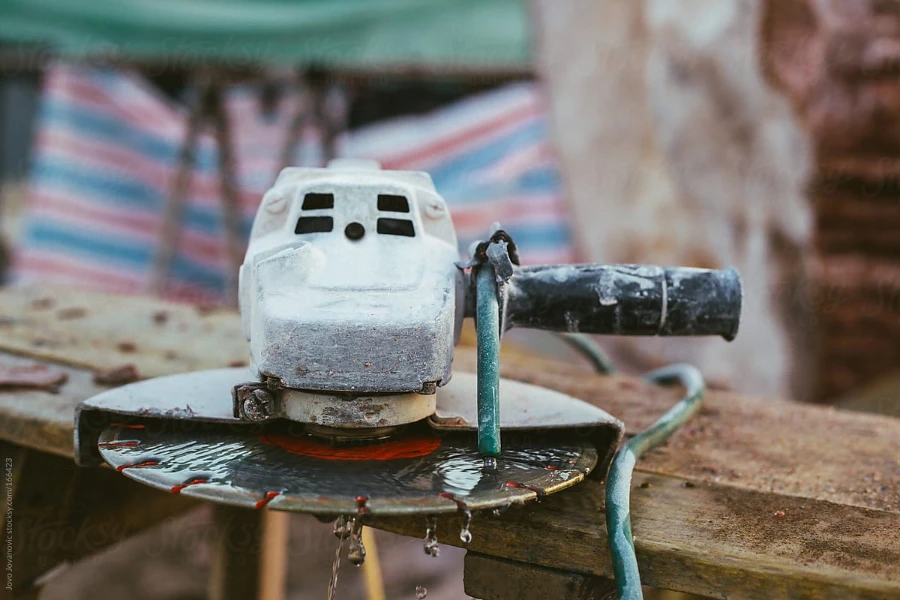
99 331
489 578
708 539
43 420
83 333
273 559
237 550
802 450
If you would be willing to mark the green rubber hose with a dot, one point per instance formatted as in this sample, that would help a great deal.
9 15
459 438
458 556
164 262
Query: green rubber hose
591 351
618 482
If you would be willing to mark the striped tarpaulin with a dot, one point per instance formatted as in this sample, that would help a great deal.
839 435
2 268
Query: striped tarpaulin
106 151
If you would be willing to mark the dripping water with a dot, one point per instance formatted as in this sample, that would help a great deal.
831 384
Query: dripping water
421 592
357 552
341 531
464 534
431 543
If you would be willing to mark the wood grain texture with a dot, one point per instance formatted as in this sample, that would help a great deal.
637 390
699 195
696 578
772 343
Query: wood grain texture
707 539
765 445
42 420
98 331
834 475
237 549
492 578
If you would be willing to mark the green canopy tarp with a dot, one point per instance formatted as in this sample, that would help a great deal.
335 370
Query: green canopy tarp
466 35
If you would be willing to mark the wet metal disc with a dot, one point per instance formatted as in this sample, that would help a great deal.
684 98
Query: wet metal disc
416 472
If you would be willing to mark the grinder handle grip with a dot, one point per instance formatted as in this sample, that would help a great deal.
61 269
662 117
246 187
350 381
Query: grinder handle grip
625 300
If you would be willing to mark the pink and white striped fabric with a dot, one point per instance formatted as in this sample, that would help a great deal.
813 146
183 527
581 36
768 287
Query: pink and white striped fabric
106 152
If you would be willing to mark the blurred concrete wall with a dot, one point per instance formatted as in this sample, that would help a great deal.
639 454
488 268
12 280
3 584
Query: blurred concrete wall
676 150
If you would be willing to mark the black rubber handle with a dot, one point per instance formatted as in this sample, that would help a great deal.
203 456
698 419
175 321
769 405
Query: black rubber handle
626 300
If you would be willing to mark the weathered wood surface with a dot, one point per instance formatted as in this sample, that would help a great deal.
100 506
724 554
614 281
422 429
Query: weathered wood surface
835 475
715 540
99 331
794 449
238 544
43 420
498 579
87 333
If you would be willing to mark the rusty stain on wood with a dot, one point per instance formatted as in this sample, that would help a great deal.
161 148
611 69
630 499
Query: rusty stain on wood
119 329
31 376
39 419
117 375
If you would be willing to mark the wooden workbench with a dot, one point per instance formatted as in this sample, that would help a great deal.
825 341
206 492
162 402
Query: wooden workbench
754 498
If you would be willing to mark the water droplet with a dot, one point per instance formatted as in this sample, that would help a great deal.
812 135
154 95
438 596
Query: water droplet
465 535
490 463
431 546
421 592
357 552
340 529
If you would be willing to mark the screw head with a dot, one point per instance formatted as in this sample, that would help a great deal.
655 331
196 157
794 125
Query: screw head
257 406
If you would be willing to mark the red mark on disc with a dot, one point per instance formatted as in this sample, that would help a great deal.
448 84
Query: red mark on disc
361 508
176 489
119 444
521 486
412 447
149 463
267 499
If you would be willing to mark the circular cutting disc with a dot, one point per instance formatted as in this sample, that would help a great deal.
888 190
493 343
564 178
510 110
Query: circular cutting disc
417 472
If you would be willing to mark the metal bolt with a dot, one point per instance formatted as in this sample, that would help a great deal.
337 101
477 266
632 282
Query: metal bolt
258 405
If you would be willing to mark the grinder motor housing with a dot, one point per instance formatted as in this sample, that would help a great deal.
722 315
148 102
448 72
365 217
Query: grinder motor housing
352 298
